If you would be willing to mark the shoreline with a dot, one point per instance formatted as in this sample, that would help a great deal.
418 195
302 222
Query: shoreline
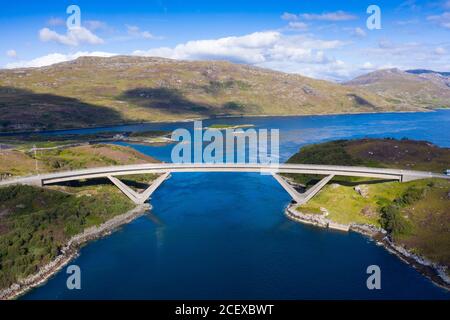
130 123
432 271
71 251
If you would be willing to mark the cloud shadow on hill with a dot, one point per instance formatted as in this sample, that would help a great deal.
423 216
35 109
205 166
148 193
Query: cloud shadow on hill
23 110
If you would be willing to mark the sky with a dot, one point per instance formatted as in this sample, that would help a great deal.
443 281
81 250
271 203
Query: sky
321 39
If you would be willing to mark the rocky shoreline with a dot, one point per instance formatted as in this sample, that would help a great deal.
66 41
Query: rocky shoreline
433 271
69 252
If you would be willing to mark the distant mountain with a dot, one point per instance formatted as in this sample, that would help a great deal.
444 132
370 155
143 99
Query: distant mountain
419 88
425 71
92 91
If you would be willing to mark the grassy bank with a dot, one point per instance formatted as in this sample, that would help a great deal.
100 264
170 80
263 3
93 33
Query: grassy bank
17 162
36 223
416 214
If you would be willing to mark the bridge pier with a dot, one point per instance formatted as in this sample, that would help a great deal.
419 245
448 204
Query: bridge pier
311 192
139 197
302 198
296 196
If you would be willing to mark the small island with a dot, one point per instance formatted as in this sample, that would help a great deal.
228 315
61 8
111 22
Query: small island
229 126
411 219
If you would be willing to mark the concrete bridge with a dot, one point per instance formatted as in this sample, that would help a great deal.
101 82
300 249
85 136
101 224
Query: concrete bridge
329 171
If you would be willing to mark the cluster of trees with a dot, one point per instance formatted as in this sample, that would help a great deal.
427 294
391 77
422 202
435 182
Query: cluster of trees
392 219
332 153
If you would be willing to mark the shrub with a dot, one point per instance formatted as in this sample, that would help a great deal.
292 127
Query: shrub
393 222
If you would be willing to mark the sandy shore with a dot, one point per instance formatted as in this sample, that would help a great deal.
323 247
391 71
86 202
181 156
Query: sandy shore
69 252
433 271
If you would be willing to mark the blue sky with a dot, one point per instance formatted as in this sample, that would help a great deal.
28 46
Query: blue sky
321 39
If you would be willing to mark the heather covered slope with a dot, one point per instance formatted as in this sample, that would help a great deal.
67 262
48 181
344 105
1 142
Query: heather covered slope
97 91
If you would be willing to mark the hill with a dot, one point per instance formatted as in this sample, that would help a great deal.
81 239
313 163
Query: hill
425 71
92 91
420 88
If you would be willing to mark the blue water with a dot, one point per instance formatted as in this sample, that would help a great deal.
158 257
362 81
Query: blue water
224 235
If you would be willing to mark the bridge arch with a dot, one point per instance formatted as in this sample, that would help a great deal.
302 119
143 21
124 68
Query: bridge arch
329 171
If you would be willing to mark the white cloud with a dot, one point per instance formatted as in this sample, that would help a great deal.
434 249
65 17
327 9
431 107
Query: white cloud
289 16
442 20
328 16
386 47
358 32
406 22
136 32
55 58
298 25
335 70
410 5
368 66
248 48
11 53
270 49
253 48
94 25
440 51
409 55
73 37
55 22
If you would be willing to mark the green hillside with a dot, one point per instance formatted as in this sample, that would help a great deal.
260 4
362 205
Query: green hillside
93 91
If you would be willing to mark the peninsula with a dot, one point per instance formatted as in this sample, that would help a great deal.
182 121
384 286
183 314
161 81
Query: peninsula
410 218
41 229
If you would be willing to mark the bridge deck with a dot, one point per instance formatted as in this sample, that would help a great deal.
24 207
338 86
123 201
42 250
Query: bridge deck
166 168
382 173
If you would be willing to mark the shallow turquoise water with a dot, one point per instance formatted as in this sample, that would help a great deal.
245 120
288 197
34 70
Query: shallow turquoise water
224 235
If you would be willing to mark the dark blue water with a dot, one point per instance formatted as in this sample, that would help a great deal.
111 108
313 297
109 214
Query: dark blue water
224 235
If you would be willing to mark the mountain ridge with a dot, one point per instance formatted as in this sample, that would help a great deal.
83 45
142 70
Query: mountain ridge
419 87
95 91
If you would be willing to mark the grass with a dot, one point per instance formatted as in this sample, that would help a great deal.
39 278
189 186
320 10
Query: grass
428 217
346 205
382 153
421 208
35 223
20 162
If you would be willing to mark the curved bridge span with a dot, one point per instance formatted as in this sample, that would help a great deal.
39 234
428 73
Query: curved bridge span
166 168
